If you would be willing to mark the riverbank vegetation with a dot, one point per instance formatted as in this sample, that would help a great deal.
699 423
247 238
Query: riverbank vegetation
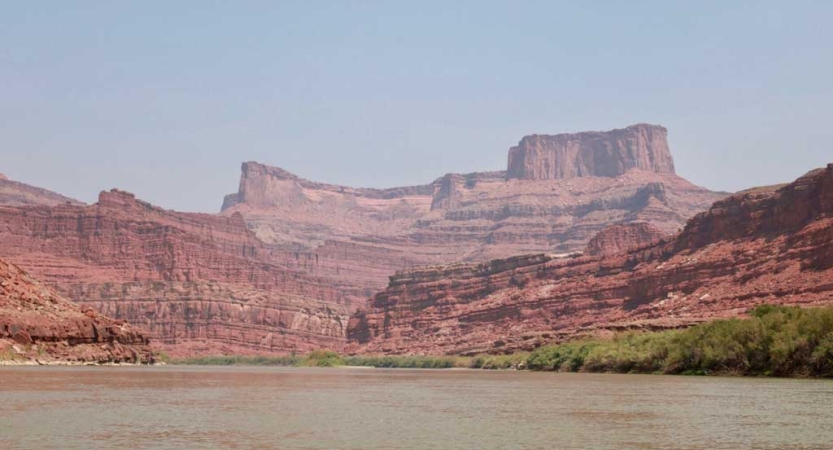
773 341
326 358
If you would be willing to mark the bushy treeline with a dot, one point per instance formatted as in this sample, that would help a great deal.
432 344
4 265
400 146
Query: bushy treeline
775 340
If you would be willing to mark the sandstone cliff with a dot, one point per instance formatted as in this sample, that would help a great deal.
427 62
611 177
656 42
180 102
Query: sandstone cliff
602 154
767 245
361 236
194 281
37 324
13 193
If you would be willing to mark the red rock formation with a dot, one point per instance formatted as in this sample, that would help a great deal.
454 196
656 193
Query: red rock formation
187 278
38 324
602 154
361 236
622 237
768 245
207 283
13 193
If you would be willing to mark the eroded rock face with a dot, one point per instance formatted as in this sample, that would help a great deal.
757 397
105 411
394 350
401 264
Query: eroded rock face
186 278
38 324
768 245
13 193
601 154
622 237
361 236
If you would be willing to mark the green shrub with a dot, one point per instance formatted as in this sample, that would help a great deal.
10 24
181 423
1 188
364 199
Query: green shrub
775 340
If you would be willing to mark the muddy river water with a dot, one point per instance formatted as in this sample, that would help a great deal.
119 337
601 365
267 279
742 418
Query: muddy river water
288 408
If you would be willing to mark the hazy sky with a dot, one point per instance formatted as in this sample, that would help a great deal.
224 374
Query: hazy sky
166 99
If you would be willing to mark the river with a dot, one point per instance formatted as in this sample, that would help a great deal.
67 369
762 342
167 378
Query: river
180 407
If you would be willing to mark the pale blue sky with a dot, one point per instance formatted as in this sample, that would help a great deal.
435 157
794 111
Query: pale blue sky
166 99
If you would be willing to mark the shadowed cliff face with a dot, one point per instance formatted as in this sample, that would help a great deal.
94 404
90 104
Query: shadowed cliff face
190 279
558 192
766 245
37 323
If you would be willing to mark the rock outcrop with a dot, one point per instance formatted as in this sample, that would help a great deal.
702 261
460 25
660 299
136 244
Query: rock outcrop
13 193
38 325
622 237
359 237
600 154
192 280
766 245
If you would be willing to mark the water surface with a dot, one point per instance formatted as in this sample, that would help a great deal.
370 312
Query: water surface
289 408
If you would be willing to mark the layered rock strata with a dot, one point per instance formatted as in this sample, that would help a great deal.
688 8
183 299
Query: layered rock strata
558 192
39 325
766 245
190 279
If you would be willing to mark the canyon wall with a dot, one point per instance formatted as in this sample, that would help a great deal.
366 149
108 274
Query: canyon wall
38 325
288 260
196 282
766 245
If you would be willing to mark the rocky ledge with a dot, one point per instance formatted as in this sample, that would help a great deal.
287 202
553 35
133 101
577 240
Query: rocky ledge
622 237
38 326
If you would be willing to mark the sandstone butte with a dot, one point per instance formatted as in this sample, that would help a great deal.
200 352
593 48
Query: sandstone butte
288 260
38 325
766 245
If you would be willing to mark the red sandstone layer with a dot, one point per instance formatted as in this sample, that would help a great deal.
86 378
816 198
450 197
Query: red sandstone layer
184 277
